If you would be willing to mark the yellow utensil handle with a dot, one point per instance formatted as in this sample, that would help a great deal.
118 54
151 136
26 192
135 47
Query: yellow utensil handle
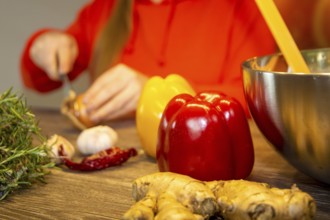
282 36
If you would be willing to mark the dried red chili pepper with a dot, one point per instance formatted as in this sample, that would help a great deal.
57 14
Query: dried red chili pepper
104 159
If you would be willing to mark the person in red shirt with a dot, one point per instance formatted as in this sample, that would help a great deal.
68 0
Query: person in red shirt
124 44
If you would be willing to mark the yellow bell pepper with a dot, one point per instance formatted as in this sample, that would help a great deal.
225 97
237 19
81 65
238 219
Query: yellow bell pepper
155 95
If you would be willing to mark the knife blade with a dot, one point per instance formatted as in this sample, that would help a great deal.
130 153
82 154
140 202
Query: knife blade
68 90
67 87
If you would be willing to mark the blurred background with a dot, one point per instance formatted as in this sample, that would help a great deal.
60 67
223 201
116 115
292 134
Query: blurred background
18 20
306 19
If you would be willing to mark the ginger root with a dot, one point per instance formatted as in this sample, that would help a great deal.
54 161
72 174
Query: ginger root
165 193
174 196
241 199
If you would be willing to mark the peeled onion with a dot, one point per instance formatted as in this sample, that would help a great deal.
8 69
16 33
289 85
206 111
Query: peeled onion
96 139
74 108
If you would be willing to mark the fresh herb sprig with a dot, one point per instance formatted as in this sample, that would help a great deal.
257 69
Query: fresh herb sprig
24 156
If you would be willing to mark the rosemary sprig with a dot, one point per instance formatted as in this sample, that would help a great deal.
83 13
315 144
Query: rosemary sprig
23 153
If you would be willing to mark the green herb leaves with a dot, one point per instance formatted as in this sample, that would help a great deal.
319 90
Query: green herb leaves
23 153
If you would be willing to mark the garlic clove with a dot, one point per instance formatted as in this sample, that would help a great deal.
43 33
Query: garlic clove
55 142
96 139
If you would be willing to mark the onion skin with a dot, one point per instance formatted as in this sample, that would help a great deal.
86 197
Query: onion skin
74 108
80 112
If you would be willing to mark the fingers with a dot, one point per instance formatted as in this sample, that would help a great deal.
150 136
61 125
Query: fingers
54 52
107 86
114 94
103 90
122 104
67 55
44 56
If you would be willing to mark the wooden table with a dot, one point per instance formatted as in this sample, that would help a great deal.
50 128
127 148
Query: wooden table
106 194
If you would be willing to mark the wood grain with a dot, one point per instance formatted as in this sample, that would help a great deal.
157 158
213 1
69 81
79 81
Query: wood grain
106 194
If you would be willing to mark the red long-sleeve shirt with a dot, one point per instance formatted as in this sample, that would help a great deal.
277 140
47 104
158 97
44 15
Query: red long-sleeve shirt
205 41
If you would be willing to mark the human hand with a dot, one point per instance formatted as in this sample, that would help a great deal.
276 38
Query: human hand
54 52
114 94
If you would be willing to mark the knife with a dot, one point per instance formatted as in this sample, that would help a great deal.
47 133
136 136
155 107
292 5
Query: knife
67 87
68 90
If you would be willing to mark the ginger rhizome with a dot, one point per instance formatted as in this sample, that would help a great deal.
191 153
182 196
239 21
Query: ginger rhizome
173 196
241 199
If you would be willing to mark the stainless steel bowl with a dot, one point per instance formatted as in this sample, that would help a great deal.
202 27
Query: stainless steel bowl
292 110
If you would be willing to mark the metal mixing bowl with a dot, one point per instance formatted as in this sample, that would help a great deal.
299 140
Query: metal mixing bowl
292 110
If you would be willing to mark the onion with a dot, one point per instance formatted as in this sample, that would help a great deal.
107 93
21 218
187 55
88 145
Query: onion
74 108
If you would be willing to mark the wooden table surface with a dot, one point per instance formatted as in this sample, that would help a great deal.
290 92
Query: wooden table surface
106 194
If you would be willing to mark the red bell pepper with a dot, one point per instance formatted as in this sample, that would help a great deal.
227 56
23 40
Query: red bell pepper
206 137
